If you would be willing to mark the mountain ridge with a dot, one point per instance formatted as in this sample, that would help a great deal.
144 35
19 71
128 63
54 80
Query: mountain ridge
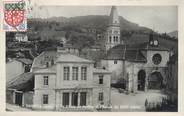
96 21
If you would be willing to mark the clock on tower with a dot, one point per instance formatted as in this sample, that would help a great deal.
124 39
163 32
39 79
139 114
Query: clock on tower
153 41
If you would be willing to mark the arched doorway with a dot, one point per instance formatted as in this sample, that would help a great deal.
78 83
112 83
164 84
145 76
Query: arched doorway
141 80
155 81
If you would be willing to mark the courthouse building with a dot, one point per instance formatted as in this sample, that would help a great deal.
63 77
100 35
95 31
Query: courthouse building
64 80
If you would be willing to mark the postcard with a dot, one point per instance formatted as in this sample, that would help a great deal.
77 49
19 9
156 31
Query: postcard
102 57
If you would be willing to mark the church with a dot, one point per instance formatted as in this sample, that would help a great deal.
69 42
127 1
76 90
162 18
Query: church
140 66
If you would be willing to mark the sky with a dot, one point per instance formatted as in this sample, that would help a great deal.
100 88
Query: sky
159 18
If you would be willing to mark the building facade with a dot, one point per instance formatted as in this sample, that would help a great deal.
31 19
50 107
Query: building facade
140 66
16 67
69 82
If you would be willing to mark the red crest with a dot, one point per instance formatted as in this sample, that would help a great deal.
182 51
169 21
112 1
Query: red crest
14 17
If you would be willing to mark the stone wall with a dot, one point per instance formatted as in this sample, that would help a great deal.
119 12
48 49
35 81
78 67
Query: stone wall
115 69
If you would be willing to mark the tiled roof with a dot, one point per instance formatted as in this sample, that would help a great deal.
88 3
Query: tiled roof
92 55
132 52
40 61
22 82
47 56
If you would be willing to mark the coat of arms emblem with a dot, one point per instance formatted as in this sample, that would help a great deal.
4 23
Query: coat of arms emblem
14 16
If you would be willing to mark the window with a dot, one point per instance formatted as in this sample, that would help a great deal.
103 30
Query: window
74 99
115 61
110 39
83 99
114 38
83 73
45 99
66 73
100 97
75 73
157 58
100 79
65 99
45 80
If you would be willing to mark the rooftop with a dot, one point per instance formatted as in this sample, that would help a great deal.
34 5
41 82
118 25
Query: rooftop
22 82
40 61
132 52
72 58
25 61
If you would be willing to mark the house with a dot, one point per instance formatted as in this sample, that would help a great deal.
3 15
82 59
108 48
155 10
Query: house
20 91
68 48
63 81
21 37
15 67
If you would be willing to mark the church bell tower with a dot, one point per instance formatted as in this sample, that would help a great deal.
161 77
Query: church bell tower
112 37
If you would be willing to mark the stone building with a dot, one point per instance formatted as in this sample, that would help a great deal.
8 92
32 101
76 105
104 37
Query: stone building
141 66
16 67
63 80
20 91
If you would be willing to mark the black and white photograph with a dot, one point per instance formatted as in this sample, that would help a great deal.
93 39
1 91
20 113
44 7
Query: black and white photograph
109 58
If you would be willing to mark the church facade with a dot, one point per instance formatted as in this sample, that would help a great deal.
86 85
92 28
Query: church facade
137 67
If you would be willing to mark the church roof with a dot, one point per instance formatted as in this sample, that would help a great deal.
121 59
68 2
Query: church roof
131 52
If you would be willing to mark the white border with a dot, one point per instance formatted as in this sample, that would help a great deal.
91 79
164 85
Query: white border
179 3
